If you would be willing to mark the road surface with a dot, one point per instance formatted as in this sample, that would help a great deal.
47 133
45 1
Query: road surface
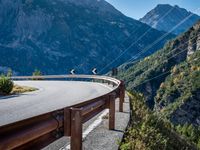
52 95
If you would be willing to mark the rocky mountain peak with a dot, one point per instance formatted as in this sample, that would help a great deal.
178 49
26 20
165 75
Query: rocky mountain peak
160 6
164 17
100 5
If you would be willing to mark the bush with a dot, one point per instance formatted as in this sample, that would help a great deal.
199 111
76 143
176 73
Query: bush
37 72
6 85
9 73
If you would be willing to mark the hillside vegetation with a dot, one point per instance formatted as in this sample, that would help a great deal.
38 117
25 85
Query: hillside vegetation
160 63
148 131
170 82
181 88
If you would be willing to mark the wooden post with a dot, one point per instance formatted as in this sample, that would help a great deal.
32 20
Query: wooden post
76 129
67 122
113 84
112 112
121 96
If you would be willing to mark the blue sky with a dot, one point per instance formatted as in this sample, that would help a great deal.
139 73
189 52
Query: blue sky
138 8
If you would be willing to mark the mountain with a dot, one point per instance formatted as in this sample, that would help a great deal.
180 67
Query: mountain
174 52
55 36
170 82
164 17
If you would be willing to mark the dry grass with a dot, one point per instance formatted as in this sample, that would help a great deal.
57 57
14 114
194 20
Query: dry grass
22 89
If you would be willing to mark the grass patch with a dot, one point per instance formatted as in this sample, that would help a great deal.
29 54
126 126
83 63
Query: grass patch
17 89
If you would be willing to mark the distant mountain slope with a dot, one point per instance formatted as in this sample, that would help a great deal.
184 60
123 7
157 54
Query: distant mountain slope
170 81
55 36
164 17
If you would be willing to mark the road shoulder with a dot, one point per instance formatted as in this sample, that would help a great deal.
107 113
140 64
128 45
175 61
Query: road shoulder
103 139
100 138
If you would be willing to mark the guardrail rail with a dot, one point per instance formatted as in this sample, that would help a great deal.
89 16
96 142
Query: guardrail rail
39 131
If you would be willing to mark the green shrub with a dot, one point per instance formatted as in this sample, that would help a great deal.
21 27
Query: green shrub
198 145
6 85
37 72
191 132
9 73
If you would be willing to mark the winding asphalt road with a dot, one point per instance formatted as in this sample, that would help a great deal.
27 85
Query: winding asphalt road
52 95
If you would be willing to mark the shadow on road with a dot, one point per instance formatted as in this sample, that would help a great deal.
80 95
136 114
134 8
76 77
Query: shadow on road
10 96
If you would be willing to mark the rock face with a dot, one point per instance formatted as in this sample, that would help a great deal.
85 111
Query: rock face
188 112
165 17
55 36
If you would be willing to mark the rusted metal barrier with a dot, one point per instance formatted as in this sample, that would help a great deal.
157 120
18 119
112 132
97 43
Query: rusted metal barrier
39 131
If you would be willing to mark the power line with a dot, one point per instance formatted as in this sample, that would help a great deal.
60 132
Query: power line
156 111
120 44
185 19
122 53
159 74
151 45
170 52
143 34
164 35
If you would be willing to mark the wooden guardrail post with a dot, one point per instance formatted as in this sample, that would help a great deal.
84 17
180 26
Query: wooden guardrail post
76 129
112 112
121 96
67 122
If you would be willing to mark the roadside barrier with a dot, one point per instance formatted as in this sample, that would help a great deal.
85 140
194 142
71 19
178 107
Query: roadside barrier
39 131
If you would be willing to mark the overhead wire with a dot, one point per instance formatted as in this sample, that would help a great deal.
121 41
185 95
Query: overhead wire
187 42
161 73
139 38
149 46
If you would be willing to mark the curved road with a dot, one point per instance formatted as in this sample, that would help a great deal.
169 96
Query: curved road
52 95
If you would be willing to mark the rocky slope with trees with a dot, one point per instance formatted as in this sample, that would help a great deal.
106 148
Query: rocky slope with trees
170 82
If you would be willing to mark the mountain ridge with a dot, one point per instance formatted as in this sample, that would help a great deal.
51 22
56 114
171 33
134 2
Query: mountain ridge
56 36
171 16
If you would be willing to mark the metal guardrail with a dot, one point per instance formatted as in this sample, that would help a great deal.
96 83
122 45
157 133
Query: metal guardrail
40 131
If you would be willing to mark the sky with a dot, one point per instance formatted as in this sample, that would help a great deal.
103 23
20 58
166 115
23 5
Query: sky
138 8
